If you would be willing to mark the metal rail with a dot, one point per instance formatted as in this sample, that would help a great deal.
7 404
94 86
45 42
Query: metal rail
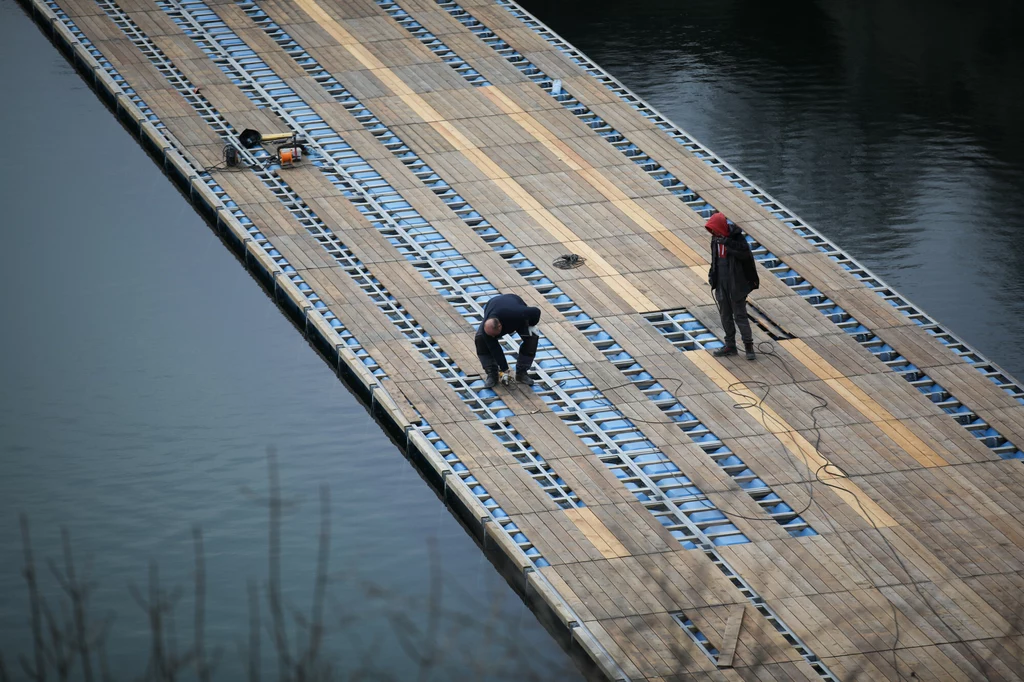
654 390
956 346
257 160
946 401
684 331
687 513
698 637
108 81
434 44
630 368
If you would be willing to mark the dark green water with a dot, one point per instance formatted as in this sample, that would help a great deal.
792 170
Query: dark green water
144 373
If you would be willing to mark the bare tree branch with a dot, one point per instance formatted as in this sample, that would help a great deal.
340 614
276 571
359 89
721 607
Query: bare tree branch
253 666
204 667
430 649
37 673
4 676
428 631
157 664
316 619
78 592
274 505
59 652
103 663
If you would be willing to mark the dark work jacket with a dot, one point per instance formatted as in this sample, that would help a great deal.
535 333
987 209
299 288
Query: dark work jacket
740 270
516 318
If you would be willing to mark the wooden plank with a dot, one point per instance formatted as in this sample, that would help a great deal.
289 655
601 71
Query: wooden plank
639 532
731 637
795 443
875 313
921 451
511 485
597 532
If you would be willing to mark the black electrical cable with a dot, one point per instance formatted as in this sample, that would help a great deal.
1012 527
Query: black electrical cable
242 166
223 167
568 261
757 404
767 349
840 473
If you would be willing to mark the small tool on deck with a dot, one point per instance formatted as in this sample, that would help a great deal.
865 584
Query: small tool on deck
231 157
507 379
251 138
289 153
569 261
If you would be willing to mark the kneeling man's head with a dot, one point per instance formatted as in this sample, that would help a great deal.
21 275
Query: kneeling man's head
492 326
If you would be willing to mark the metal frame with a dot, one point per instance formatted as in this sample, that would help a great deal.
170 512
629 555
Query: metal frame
620 460
684 331
256 160
108 81
605 430
698 637
433 43
651 388
382 205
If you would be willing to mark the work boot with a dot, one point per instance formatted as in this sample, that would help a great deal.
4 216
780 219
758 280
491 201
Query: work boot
749 347
492 379
725 351
524 379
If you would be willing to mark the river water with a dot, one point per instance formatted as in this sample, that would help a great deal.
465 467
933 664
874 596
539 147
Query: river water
144 374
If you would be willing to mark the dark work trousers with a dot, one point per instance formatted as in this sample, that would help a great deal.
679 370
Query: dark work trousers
492 357
733 310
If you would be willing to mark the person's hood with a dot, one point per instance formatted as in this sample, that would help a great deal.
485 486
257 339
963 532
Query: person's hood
718 225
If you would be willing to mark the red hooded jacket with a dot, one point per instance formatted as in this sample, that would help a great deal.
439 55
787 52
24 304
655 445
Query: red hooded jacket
728 243
718 225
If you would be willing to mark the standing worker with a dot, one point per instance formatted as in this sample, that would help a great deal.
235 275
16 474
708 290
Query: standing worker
733 275
507 314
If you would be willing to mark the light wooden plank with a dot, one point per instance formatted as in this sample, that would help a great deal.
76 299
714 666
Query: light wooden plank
731 637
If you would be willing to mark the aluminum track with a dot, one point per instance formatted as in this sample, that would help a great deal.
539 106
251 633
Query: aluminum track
603 429
943 398
225 48
655 391
490 409
116 86
925 384
684 331
698 637
256 159
773 207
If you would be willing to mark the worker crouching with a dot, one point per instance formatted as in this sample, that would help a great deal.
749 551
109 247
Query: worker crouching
507 314
733 275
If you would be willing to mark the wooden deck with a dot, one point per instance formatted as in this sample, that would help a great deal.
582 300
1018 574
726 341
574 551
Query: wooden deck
811 515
